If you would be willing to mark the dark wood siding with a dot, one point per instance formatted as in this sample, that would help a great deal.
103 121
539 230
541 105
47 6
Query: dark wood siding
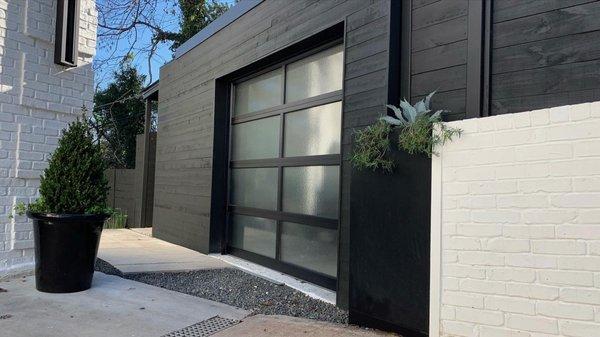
439 53
182 210
544 53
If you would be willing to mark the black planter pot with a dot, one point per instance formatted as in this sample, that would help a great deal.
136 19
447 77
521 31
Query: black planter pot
65 250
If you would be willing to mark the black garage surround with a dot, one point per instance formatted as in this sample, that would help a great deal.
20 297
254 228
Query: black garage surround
328 40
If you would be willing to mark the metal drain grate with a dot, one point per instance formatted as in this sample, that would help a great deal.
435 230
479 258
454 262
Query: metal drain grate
204 328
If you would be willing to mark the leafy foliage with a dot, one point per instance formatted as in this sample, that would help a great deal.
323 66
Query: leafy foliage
117 220
415 125
196 15
74 181
372 147
118 116
418 137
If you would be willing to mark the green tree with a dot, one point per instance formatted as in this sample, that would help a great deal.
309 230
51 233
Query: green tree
118 116
195 15
126 20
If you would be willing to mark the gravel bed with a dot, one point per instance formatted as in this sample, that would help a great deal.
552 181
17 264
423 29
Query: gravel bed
240 289
106 268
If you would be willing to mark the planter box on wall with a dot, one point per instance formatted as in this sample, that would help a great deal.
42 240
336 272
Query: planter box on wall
389 236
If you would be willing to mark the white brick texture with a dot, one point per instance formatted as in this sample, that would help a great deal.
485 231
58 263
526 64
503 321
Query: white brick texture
37 100
518 221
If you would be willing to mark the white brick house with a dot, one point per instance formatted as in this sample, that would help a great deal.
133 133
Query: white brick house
37 100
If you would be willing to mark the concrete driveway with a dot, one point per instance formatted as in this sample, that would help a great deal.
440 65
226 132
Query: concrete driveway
112 307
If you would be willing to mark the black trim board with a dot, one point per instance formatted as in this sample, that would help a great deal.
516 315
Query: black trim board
474 58
303 219
219 191
222 118
478 58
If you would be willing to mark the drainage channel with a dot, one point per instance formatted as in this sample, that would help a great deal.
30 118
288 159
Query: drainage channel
205 328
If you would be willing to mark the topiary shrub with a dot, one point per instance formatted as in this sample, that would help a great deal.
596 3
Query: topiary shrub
74 181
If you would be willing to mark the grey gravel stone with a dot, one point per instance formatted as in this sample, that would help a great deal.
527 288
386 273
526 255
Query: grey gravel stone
106 268
242 290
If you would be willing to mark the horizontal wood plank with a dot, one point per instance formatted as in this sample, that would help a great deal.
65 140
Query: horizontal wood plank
454 102
526 103
437 35
545 53
555 79
420 3
440 80
438 12
561 22
445 56
504 10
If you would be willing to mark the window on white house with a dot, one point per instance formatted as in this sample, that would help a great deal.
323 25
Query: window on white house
67 33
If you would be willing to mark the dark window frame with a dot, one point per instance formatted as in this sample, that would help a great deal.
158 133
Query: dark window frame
280 163
66 45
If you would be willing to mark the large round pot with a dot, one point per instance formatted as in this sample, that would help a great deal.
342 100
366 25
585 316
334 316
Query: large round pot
65 250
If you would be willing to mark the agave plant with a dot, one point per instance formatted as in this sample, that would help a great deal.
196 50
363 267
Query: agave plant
415 135
408 114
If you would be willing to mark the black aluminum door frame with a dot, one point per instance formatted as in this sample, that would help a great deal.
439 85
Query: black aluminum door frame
316 160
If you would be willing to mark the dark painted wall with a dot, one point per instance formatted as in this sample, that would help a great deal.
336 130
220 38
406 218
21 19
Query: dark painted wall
184 164
543 53
439 53
390 238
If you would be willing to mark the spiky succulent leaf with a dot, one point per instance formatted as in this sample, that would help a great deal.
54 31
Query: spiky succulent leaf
393 121
420 107
409 111
437 115
397 111
428 99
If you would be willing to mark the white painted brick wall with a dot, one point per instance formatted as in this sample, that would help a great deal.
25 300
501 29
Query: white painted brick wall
516 216
37 100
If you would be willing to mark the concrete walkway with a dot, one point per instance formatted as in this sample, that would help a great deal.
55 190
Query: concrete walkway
133 252
118 307
112 307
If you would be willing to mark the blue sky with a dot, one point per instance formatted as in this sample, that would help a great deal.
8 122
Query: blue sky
167 20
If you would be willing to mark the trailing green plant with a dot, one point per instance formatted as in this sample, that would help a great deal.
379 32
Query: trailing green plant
74 181
372 148
415 125
118 219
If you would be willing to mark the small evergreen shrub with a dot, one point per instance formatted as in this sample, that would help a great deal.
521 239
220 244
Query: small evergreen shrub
74 181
